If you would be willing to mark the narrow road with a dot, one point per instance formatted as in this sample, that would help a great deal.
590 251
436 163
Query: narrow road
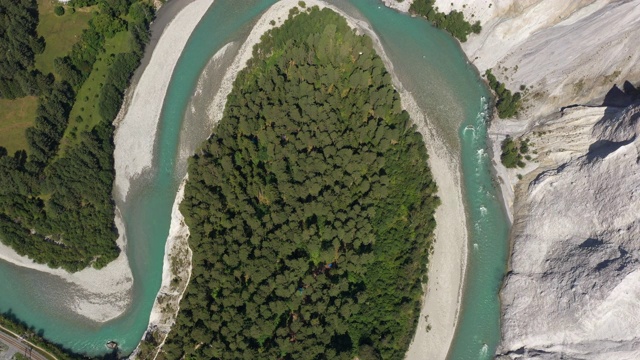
24 348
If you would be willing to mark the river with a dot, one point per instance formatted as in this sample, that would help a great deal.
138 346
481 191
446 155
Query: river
428 62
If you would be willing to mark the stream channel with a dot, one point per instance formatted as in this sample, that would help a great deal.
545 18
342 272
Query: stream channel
428 62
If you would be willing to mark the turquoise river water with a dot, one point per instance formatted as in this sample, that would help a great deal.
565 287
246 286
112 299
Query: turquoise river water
430 65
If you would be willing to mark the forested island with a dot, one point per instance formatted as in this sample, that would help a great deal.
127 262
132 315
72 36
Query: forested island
310 208
55 186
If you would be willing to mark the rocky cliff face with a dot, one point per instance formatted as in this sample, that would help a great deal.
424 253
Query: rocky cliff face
574 281
574 286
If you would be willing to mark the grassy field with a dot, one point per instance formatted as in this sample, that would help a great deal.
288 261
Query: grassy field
86 105
60 32
15 117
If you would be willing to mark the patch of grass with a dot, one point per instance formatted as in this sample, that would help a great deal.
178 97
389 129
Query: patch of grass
85 112
120 43
16 116
578 87
611 77
60 32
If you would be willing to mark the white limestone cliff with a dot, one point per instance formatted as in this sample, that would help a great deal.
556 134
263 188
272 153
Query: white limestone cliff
574 285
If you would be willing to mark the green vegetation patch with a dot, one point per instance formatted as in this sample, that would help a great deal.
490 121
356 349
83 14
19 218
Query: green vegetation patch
59 32
85 114
310 208
58 10
453 22
20 43
507 103
15 117
513 152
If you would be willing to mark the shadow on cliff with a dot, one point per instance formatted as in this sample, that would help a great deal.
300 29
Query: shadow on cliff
615 100
617 97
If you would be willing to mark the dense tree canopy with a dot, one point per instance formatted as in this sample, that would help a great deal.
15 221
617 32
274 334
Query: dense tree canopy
453 22
56 207
507 104
514 152
310 208
19 43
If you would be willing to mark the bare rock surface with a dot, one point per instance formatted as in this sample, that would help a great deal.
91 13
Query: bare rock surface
402 6
565 52
574 283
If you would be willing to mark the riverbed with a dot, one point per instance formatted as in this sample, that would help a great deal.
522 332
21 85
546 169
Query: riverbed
428 63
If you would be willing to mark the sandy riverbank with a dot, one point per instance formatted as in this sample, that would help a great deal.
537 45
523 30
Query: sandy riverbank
99 295
176 270
136 133
448 262
177 264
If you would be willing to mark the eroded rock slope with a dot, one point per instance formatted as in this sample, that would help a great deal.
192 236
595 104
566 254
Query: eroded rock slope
574 286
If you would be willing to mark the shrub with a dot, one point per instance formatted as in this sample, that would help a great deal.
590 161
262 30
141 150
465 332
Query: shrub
454 22
513 152
510 155
58 10
507 103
